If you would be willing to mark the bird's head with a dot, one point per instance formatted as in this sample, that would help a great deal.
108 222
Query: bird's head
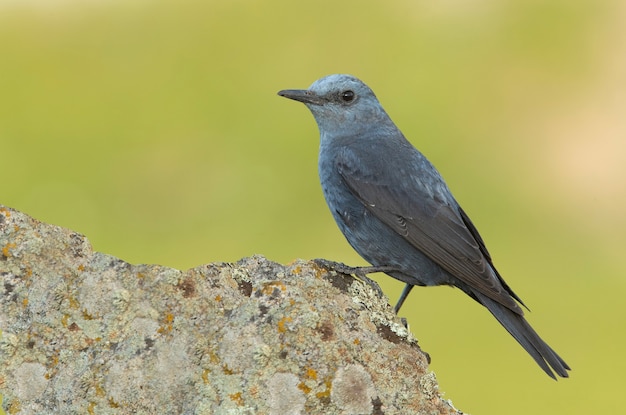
341 104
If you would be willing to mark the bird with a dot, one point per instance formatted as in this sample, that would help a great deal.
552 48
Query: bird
397 212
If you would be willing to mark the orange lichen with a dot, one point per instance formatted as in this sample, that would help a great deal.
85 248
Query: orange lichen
304 388
167 325
81 267
73 302
318 271
99 390
282 322
213 358
357 341
325 393
236 397
86 315
268 288
15 407
311 373
6 249
205 376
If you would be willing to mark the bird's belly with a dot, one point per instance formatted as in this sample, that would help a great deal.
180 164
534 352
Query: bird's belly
380 245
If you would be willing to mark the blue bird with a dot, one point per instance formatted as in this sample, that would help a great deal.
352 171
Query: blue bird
397 212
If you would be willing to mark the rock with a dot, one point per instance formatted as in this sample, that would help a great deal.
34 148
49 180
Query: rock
87 333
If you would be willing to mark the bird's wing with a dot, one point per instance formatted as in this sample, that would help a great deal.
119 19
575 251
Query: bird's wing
421 209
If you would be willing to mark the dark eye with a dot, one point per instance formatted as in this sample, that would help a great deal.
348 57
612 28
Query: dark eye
347 96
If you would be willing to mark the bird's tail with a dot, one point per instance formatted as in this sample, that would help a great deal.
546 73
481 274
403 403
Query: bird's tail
519 328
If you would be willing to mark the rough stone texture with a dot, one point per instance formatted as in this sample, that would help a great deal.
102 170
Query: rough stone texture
86 333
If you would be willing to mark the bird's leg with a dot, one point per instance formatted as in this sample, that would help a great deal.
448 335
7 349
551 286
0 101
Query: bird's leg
359 272
405 293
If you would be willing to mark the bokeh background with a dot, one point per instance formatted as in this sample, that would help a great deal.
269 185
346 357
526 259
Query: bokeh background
154 128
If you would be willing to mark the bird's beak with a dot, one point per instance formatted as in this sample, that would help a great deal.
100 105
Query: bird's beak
302 95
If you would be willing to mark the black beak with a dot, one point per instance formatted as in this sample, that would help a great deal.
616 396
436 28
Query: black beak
302 95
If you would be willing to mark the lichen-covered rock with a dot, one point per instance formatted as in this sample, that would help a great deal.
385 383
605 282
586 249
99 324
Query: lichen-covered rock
86 333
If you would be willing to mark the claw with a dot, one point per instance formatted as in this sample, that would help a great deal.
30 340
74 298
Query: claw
359 272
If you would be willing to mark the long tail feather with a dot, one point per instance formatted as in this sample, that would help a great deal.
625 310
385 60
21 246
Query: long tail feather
519 328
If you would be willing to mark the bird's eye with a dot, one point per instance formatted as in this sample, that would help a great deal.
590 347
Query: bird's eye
347 96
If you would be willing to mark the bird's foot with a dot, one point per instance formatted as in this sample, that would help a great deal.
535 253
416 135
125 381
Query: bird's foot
404 322
359 272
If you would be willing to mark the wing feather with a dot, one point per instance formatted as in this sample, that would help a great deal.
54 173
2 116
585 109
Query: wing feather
422 210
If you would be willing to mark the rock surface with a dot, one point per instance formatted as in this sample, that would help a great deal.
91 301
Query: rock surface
86 333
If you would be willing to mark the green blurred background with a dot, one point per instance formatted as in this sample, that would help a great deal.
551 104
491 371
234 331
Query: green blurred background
154 128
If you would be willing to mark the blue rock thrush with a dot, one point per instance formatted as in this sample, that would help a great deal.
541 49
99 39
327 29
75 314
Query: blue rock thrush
397 212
